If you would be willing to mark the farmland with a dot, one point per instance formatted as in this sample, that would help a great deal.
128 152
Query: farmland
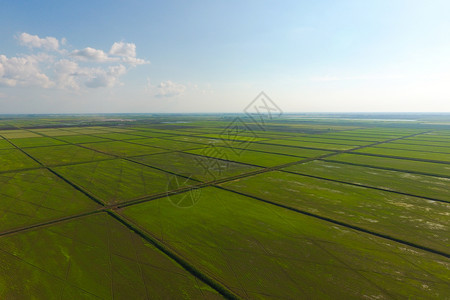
187 207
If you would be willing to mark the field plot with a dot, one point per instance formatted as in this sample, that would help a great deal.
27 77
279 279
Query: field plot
263 251
119 136
4 144
347 137
394 164
16 134
88 130
81 139
168 144
194 166
196 139
14 159
116 181
300 152
35 196
318 139
224 136
36 142
152 134
245 156
120 148
414 184
422 142
65 154
93 257
424 147
407 154
307 144
407 218
54 132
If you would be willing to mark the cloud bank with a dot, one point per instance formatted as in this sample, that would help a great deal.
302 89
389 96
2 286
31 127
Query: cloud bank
53 66
166 89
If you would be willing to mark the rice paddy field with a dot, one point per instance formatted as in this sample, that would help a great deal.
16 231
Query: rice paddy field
188 207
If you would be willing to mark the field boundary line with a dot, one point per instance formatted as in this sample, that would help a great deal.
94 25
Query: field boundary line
51 222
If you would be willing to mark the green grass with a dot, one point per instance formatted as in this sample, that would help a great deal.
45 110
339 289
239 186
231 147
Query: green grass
318 139
194 166
404 217
337 136
168 144
415 184
123 148
300 152
119 136
80 139
14 159
308 144
15 134
393 163
65 154
4 144
148 133
36 196
92 257
36 142
422 147
116 181
88 130
255 246
230 136
406 154
196 139
420 142
55 132
264 251
245 156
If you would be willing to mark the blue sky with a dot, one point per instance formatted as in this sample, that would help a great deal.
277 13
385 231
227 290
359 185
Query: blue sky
216 56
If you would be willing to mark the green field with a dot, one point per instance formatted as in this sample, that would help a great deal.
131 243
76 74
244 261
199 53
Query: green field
262 250
415 184
183 207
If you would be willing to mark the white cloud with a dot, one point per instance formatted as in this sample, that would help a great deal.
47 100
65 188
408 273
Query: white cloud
169 89
123 49
134 61
105 78
22 71
66 73
34 41
128 53
70 75
123 52
66 69
91 54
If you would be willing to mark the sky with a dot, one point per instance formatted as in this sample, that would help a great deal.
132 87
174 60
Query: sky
217 56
